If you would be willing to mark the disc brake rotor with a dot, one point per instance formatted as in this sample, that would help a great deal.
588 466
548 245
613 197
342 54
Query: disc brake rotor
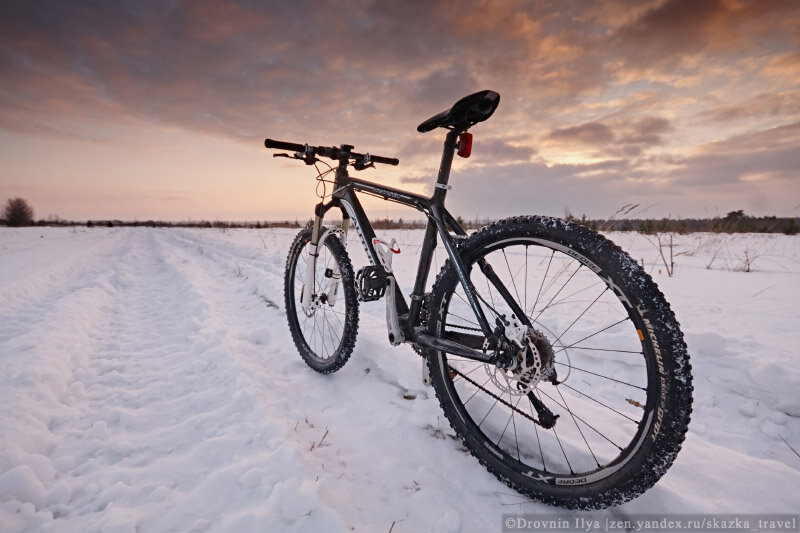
534 362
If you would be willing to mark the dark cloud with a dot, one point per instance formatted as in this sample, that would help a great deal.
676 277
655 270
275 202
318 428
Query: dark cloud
647 131
500 151
591 133
676 31
619 138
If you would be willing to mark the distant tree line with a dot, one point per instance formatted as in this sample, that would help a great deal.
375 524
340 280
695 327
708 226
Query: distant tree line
733 222
192 224
17 212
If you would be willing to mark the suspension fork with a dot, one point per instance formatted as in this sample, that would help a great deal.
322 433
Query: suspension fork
311 265
318 236
333 290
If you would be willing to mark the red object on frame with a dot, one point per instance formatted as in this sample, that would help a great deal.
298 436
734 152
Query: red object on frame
465 144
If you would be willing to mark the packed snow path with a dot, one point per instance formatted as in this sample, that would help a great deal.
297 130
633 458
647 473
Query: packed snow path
149 383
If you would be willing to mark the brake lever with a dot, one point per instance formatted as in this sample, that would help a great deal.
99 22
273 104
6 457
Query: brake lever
364 164
307 160
361 166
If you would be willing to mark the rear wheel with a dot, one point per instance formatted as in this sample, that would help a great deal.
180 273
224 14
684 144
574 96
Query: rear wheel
324 333
597 404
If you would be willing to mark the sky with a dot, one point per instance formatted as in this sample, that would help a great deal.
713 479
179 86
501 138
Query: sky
159 109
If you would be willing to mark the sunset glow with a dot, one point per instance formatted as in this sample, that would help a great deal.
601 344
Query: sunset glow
154 110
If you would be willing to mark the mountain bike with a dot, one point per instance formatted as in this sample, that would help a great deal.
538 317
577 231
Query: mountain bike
555 357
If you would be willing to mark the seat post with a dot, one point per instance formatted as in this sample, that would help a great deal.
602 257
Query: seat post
446 164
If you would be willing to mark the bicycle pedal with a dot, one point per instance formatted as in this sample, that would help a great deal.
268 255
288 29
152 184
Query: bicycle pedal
371 283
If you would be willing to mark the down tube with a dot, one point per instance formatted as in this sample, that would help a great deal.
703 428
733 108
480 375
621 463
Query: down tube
352 206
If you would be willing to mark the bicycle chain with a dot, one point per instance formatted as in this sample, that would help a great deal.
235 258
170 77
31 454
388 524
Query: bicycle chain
496 397
464 327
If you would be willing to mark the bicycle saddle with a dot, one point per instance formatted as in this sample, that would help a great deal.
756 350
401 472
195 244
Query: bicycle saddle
466 112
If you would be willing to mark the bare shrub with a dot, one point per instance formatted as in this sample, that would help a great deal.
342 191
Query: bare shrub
17 212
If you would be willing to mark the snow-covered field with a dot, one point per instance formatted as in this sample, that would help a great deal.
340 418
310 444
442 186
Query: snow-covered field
148 382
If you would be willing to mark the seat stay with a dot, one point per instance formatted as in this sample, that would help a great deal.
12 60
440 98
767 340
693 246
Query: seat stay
501 288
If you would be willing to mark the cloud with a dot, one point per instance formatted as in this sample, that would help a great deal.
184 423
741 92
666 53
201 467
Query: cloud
770 157
785 66
500 151
591 134
785 104
617 137
673 32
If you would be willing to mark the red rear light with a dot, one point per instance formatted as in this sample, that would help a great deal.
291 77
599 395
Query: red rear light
465 145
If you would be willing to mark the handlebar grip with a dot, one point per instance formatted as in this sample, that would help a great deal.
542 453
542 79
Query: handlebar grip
281 145
384 160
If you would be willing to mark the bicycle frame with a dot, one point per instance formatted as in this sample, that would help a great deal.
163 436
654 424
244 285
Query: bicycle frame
439 219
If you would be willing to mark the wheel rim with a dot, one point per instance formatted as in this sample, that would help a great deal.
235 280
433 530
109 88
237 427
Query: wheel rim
602 360
322 330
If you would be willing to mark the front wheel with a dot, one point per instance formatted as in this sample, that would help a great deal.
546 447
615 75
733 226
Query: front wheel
325 331
596 404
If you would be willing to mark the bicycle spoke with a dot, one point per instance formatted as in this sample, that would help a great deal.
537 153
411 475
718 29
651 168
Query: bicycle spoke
511 275
479 387
566 299
595 333
557 293
538 294
477 366
599 402
572 415
590 349
525 299
573 367
331 332
538 439
567 409
487 412
581 315
560 444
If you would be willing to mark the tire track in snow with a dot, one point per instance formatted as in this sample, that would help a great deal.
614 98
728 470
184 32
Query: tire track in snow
261 264
34 284
49 343
157 418
383 457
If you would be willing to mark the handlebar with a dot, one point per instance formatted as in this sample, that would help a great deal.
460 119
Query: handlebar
281 145
307 153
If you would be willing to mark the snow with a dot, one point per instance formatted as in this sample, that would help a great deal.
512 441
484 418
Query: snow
149 383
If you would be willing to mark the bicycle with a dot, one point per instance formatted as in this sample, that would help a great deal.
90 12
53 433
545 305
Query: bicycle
555 357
